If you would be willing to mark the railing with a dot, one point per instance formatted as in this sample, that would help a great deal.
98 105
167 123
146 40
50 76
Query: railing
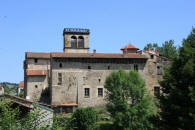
78 30
18 100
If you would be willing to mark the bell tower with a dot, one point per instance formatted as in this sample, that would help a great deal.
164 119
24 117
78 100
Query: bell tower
76 40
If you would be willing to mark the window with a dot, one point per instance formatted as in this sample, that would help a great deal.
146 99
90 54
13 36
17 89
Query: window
87 92
152 56
108 67
136 67
59 78
60 65
99 79
81 42
89 67
100 92
159 70
73 42
36 60
36 86
157 91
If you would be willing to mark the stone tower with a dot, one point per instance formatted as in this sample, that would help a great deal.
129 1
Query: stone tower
76 40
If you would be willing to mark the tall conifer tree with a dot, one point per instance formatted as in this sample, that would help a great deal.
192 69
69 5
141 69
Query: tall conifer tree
178 86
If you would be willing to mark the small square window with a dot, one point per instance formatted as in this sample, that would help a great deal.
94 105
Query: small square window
89 67
87 92
157 91
36 60
36 86
100 92
159 70
108 67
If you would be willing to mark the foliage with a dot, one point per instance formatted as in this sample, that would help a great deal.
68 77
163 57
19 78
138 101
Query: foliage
129 103
83 119
8 116
178 98
167 49
104 125
21 93
10 88
45 95
152 46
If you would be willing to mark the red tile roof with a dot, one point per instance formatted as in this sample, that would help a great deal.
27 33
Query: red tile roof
36 72
129 46
97 55
40 55
21 84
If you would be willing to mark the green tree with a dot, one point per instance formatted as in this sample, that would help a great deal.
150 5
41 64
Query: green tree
152 46
167 49
8 116
83 119
178 86
129 103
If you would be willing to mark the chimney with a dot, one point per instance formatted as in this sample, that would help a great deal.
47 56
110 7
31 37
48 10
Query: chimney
149 48
156 52
94 51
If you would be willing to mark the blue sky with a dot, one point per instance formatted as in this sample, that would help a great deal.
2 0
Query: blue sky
37 25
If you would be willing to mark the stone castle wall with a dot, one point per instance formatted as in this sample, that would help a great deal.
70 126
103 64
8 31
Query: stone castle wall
77 76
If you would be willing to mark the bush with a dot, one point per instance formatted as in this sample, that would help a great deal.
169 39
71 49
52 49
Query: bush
83 119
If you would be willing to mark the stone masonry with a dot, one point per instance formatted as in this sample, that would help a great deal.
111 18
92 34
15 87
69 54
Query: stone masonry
76 77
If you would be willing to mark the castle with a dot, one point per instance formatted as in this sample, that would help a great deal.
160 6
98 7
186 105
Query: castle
76 77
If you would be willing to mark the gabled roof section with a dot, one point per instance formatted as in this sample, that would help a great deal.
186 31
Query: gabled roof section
96 55
21 84
36 72
40 55
129 46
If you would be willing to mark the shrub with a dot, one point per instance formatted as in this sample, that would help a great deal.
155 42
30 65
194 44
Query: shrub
83 119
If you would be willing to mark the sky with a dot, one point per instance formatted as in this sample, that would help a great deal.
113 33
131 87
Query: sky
37 26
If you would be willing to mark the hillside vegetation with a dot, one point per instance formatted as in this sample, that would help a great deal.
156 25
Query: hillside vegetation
10 88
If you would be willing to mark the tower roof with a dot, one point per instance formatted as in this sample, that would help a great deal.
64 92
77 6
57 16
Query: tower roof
21 84
129 46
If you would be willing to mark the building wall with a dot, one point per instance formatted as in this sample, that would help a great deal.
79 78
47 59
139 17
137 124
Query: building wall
77 76
42 64
30 81
35 86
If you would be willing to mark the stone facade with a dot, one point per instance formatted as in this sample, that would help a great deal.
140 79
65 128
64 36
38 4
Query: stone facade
77 77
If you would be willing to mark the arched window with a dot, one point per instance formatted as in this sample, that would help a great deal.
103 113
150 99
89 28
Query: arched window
73 42
81 42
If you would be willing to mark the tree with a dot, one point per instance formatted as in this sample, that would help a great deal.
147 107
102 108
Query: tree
152 46
167 49
83 119
129 103
178 87
8 116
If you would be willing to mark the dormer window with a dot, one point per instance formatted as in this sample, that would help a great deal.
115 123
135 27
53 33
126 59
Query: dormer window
73 42
80 42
